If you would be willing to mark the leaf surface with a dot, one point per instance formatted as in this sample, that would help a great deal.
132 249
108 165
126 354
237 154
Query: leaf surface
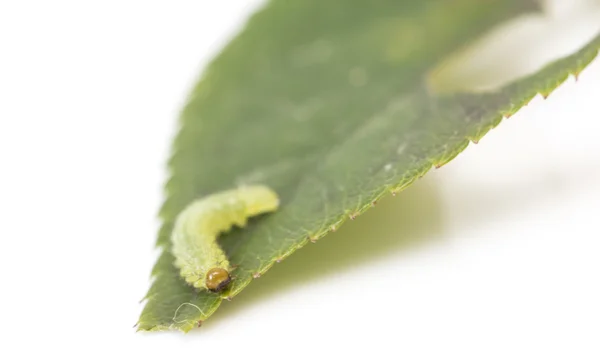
327 103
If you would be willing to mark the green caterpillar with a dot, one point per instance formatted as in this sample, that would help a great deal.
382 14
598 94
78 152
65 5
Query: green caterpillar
198 256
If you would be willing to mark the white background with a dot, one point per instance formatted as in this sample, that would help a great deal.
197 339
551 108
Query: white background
496 254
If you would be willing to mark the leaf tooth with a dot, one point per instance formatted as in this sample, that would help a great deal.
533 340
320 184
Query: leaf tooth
285 255
496 121
449 155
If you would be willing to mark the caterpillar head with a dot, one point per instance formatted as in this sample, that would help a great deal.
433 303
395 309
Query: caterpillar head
217 279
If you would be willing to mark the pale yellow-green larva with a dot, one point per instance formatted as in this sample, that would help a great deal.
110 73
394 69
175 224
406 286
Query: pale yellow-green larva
200 259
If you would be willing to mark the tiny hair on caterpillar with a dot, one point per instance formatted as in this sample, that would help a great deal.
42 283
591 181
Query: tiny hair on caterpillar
199 257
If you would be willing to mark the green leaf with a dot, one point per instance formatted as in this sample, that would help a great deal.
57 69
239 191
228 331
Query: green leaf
327 103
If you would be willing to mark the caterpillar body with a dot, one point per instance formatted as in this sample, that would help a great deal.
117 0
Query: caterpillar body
198 256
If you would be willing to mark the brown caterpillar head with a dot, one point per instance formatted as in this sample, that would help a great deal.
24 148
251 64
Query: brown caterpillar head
217 279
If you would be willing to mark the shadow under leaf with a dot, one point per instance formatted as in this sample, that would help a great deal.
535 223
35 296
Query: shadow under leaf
396 224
